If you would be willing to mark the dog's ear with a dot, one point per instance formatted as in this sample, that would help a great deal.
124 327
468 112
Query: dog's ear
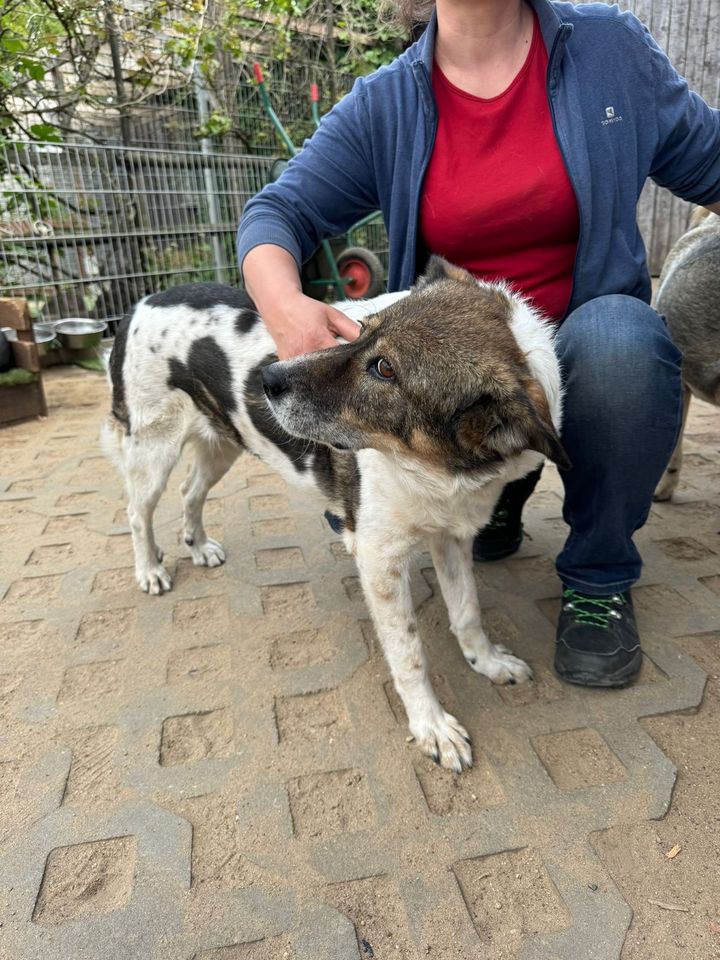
494 428
440 269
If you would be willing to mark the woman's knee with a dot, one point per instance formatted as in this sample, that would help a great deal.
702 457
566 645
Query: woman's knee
617 345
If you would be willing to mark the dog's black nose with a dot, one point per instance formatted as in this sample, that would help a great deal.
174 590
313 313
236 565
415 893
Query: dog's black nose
274 380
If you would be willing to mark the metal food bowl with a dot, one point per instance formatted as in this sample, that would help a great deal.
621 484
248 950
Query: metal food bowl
10 333
80 334
44 337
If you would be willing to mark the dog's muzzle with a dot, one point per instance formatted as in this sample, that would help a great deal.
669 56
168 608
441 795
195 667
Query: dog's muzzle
274 380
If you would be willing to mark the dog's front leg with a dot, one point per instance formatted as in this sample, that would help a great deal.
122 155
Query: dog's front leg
453 564
384 572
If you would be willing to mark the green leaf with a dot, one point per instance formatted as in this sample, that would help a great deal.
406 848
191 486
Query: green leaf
13 44
45 131
33 69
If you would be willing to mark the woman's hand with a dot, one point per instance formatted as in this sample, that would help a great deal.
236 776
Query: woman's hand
298 324
301 325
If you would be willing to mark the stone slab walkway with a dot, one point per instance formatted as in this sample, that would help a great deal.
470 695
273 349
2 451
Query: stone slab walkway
223 773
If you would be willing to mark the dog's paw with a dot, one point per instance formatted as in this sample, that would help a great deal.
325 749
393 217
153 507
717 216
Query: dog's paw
208 554
445 741
502 667
155 581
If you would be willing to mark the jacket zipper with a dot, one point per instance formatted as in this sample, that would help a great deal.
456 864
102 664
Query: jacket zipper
568 169
427 95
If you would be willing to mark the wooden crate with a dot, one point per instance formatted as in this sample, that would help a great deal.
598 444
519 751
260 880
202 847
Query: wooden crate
28 399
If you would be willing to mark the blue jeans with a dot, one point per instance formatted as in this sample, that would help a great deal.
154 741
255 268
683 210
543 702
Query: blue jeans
622 410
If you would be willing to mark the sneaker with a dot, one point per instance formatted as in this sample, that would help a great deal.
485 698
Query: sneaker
504 534
500 538
597 640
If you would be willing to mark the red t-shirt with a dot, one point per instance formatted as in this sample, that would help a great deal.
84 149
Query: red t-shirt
497 198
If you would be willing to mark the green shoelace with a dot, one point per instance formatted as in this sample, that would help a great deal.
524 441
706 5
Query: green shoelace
597 611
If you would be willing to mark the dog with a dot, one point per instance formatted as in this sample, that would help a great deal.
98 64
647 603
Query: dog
411 431
688 296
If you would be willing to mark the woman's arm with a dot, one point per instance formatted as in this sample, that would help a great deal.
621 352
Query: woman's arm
298 324
326 188
687 158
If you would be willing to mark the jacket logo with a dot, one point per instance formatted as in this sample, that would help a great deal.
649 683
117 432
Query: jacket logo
610 117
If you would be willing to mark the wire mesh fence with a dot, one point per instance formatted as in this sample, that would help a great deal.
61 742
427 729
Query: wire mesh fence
86 230
170 119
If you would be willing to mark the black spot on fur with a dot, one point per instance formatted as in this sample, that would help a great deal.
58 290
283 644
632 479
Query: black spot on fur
153 348
338 477
116 366
163 332
265 423
207 379
336 523
246 320
201 296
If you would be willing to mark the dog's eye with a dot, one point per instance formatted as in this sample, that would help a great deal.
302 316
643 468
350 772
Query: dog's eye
382 369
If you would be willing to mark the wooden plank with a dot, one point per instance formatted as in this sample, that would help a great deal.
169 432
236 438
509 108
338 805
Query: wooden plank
21 403
14 313
26 355
711 73
697 22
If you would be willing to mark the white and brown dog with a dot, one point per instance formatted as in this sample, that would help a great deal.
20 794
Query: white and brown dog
411 431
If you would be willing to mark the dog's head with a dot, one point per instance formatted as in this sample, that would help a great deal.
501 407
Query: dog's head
437 376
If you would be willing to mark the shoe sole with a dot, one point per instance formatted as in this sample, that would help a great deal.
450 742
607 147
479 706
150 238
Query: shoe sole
621 678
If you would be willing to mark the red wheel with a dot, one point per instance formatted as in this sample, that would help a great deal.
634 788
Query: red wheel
363 272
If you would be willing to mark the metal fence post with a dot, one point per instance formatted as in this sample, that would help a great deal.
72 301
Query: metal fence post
208 172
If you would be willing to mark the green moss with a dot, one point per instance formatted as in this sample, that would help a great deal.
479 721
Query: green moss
17 377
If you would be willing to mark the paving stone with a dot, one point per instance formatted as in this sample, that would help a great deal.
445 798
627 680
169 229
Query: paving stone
447 793
510 898
280 598
279 558
274 527
34 589
86 681
323 804
578 758
93 777
196 736
301 648
105 624
375 908
86 879
199 664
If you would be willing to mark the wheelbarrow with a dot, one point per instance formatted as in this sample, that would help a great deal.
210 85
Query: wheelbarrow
351 271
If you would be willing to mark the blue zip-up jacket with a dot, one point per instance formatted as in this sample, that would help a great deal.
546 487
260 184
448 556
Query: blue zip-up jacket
621 114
